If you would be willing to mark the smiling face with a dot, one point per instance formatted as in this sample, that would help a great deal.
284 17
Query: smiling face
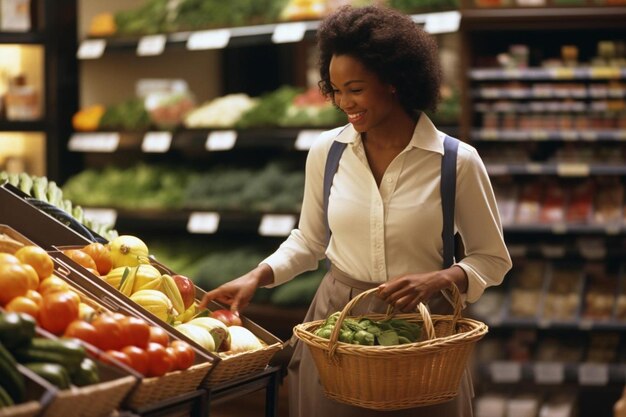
368 102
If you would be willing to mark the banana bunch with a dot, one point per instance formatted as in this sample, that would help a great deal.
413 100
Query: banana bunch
131 280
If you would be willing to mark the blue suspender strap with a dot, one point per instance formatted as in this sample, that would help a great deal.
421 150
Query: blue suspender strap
448 193
332 164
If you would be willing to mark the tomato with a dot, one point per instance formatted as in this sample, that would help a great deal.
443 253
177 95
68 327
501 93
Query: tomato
160 336
82 330
110 356
135 332
58 310
139 359
101 256
227 317
13 282
52 284
185 355
109 332
159 361
24 304
37 258
81 258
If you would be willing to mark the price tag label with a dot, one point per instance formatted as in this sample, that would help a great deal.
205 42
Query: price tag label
569 135
534 168
91 49
563 73
203 222
444 22
539 135
208 39
156 142
497 169
221 140
506 372
289 32
277 224
605 72
573 170
589 135
306 138
559 229
151 45
585 324
94 142
102 216
489 134
593 374
549 373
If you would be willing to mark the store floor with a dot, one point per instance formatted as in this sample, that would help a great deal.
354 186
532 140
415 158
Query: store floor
252 405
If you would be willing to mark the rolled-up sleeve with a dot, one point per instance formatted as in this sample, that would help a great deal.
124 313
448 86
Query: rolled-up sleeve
477 219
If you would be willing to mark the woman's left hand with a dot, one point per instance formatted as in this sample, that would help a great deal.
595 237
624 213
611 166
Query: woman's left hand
405 292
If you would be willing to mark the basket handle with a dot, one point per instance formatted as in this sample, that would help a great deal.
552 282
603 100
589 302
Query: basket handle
421 310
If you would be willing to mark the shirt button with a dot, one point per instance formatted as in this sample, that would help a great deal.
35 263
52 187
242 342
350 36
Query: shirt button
389 180
380 266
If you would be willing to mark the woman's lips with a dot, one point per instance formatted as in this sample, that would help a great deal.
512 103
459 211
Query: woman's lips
356 117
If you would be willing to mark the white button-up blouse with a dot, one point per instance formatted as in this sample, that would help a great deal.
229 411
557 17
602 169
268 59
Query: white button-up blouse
381 232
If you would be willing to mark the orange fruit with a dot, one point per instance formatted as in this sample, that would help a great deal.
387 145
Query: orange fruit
52 284
13 282
35 296
7 258
33 278
81 258
37 258
23 304
101 256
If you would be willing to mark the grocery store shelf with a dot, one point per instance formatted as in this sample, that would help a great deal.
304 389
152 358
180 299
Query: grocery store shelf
549 373
201 140
504 321
542 17
523 135
29 126
574 73
288 32
21 38
560 169
518 93
565 228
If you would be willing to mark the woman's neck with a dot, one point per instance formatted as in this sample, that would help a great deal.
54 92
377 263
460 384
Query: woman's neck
395 133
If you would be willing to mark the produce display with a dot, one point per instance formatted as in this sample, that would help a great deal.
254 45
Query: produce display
49 192
274 187
369 332
126 267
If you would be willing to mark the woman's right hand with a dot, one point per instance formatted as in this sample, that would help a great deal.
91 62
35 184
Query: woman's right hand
238 292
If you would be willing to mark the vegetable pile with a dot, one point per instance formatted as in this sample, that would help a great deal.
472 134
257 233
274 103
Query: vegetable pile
369 332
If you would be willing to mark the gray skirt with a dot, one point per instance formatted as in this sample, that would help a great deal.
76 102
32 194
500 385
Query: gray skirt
306 395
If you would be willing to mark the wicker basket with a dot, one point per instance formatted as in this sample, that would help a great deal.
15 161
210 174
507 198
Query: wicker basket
241 364
395 377
172 384
28 409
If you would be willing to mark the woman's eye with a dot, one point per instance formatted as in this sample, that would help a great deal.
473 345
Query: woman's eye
356 91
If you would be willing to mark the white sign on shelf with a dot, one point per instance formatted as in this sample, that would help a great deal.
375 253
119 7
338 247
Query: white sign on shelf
156 142
506 371
91 49
573 169
103 216
289 32
593 374
306 138
203 222
444 22
151 45
277 224
221 140
208 39
549 372
94 142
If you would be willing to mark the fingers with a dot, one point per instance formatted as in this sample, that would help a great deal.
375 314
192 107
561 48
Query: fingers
215 294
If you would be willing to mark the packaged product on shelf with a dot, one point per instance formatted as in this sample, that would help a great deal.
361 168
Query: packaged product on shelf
580 207
563 298
529 205
565 349
506 196
553 204
560 405
620 304
527 288
15 15
22 100
520 346
603 347
600 293
490 405
523 405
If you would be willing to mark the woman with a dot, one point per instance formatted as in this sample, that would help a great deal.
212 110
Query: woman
384 208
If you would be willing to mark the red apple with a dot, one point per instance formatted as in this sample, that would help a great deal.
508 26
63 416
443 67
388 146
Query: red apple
186 288
227 317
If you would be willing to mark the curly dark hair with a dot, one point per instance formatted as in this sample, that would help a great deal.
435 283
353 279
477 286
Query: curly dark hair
389 44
